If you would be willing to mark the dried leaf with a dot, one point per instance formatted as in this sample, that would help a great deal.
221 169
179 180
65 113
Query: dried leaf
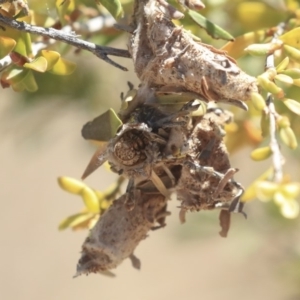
236 48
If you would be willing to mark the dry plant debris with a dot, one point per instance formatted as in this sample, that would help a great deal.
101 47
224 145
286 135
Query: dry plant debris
166 148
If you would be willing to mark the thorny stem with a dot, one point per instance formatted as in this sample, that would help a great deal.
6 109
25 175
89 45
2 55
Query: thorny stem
277 156
100 51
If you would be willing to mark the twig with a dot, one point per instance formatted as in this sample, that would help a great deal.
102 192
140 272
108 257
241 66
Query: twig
88 27
277 156
100 51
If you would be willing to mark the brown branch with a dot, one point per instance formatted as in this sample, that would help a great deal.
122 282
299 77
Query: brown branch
101 52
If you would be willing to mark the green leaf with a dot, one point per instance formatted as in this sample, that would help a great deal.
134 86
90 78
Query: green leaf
29 82
290 209
265 190
52 58
18 87
7 45
263 49
250 192
75 220
63 67
291 189
284 78
22 39
102 128
212 29
64 8
261 153
39 64
292 53
288 137
282 65
114 7
90 199
292 38
293 72
292 105
14 74
71 185
258 101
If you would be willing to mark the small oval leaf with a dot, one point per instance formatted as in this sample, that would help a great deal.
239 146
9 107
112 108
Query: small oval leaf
288 137
263 49
284 78
282 65
292 53
261 153
292 105
74 220
265 190
258 101
291 189
293 72
290 209
90 199
270 86
70 185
